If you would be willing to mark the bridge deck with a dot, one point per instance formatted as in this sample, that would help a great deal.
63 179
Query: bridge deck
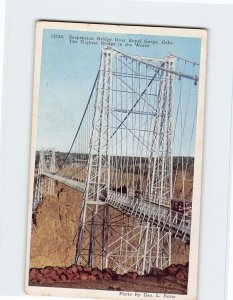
146 211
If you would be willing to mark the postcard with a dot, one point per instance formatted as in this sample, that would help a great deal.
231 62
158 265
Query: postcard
116 161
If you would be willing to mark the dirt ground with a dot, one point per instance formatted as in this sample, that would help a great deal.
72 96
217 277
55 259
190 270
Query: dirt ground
171 280
146 285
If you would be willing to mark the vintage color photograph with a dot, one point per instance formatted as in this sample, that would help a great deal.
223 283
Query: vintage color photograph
116 161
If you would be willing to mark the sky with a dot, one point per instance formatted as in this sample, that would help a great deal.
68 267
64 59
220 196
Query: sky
68 71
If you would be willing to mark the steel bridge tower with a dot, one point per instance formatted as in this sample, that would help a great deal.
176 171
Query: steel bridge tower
139 245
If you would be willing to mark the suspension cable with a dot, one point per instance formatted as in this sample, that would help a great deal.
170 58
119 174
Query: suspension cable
80 124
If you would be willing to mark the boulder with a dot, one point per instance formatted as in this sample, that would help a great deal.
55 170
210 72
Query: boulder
63 277
182 275
107 276
83 276
132 275
171 270
92 277
87 269
79 268
97 273
156 272
74 268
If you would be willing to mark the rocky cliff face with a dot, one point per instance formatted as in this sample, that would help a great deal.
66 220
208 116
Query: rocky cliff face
55 228
180 252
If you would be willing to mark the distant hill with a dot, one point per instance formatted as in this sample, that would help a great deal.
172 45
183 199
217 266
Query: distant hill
185 161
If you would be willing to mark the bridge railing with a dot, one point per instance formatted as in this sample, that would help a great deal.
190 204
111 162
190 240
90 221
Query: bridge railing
178 223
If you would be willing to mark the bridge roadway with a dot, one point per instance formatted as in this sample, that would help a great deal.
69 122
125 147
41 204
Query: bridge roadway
180 224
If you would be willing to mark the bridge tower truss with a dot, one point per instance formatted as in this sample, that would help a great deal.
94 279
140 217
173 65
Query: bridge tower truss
135 96
44 186
93 232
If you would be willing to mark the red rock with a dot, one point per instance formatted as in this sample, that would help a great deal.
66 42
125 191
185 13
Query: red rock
83 276
59 271
92 277
118 277
106 276
87 269
55 277
74 268
53 272
79 268
45 271
172 269
156 271
184 268
69 271
96 269
97 273
40 278
70 276
48 280
63 277
34 280
76 276
182 275
108 271
132 275
129 275
32 271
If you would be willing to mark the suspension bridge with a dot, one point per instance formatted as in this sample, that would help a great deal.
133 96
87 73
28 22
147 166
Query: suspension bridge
134 143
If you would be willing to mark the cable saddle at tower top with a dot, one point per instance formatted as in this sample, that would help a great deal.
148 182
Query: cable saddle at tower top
148 61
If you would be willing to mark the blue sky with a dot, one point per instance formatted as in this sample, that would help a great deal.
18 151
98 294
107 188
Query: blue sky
68 71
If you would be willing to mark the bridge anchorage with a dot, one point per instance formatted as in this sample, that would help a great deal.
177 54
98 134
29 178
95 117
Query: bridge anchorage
131 157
